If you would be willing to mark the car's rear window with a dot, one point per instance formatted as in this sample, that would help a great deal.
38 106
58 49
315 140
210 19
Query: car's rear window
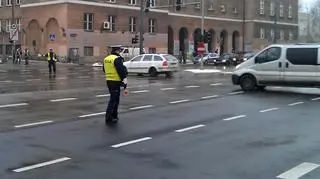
170 58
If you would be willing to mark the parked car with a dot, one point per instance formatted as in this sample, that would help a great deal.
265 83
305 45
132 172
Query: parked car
247 56
284 65
207 58
227 59
153 64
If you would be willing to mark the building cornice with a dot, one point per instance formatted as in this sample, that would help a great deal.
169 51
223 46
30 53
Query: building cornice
130 7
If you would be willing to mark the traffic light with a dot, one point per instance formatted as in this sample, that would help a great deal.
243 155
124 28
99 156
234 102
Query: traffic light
148 4
178 5
208 37
135 40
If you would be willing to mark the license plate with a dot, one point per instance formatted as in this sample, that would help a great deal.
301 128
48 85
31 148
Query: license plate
173 63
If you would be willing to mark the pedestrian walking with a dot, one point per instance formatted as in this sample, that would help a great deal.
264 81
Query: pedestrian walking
116 77
52 59
26 56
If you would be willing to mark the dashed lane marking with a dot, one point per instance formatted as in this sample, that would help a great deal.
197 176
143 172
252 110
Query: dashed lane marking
142 91
190 128
209 97
180 101
41 164
167 89
234 117
315 99
192 86
6 81
141 107
238 92
268 110
63 99
216 84
298 171
131 142
102 95
13 105
84 77
33 124
93 114
294 104
33 79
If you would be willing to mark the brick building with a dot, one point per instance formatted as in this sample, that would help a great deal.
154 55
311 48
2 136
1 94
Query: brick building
77 25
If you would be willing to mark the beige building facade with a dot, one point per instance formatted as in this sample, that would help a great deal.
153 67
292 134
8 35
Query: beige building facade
77 26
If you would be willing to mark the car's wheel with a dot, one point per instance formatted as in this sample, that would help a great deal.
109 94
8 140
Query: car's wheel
228 63
153 72
169 74
248 82
261 88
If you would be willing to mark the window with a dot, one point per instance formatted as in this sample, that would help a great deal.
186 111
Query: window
132 24
112 1
88 51
269 55
152 50
262 33
157 58
132 2
112 21
170 58
223 8
281 11
198 5
211 7
261 7
290 35
272 7
8 2
17 2
88 22
18 23
152 3
152 26
147 58
281 35
303 56
8 25
137 58
290 12
272 35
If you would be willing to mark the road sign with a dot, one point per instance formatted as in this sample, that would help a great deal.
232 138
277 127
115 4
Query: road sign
14 34
201 49
13 26
52 36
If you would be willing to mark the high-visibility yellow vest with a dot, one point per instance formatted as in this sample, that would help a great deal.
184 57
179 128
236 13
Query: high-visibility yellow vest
110 70
53 58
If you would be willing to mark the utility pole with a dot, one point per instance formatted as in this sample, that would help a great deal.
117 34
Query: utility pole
141 31
275 22
12 22
243 24
202 28
2 30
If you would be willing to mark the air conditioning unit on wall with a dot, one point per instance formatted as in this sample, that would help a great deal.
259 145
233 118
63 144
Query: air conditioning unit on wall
106 25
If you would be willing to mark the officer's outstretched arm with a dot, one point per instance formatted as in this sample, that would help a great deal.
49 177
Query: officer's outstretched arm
121 69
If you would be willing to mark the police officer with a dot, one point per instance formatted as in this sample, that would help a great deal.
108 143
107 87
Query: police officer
116 76
52 59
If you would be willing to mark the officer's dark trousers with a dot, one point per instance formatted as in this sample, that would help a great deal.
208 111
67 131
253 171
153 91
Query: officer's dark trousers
114 90
52 64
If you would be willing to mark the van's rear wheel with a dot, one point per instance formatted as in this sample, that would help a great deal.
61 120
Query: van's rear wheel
248 83
153 72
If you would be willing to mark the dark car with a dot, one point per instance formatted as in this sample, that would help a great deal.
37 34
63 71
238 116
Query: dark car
227 59
207 58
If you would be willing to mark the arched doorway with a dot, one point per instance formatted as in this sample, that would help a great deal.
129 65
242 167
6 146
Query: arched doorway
170 40
235 41
33 37
223 42
196 38
52 35
183 40
211 43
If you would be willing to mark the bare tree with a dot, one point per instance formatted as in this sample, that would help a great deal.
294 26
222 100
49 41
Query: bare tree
314 23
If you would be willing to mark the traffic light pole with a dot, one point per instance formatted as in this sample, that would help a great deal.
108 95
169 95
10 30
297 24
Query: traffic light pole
12 22
141 31
202 29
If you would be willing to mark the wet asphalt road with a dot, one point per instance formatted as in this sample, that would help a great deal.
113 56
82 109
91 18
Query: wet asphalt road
185 127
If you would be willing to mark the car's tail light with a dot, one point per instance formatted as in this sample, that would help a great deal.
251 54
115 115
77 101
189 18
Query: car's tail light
165 63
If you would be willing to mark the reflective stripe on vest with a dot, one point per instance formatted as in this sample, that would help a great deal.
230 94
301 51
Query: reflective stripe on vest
110 70
54 59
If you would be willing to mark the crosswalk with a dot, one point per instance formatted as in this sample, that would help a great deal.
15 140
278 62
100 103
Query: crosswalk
304 170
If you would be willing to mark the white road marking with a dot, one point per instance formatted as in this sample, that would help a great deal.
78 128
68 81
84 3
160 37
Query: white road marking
167 89
13 105
6 81
141 107
203 70
131 142
102 95
61 78
208 97
192 86
238 92
41 164
84 77
33 124
142 91
64 99
268 110
298 171
235 117
180 101
315 99
33 79
216 84
190 128
3 71
91 115
294 104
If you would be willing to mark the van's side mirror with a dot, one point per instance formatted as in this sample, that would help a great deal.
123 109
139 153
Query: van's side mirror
258 60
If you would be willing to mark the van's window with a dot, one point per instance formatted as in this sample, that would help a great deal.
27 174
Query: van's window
126 51
147 58
157 58
137 58
170 58
269 55
303 56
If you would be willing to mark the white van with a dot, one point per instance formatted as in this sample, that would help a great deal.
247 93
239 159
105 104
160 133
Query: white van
129 52
283 65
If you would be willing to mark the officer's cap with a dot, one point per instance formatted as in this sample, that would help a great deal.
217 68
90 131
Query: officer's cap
116 47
